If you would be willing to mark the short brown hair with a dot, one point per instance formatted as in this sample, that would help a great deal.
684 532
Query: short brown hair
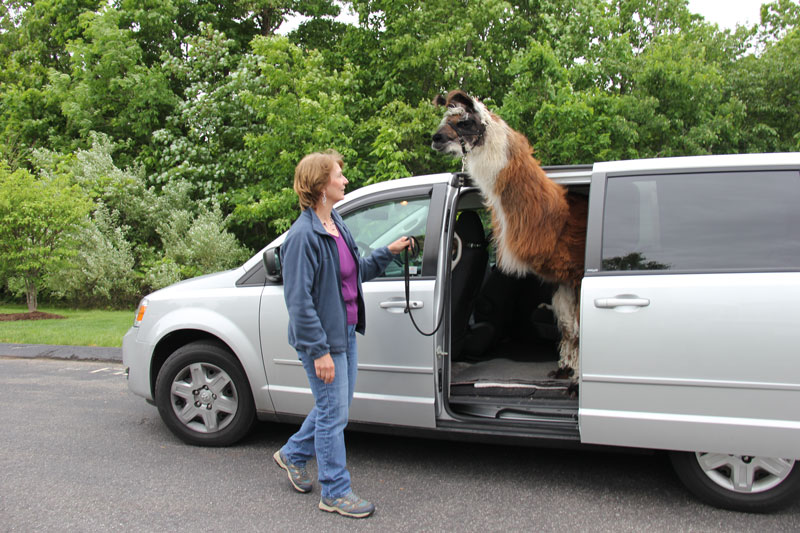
312 174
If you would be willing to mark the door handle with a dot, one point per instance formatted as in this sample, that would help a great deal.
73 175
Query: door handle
621 301
401 304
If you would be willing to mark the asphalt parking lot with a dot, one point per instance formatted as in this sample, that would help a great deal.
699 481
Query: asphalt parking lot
81 453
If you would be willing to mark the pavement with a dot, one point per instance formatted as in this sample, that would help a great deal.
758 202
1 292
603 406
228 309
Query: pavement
50 351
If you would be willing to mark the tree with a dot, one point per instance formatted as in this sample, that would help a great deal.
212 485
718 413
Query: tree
203 140
109 89
101 273
33 43
200 244
38 220
777 19
301 107
769 83
139 237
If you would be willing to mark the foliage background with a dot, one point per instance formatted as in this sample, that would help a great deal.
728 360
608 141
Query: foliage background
179 122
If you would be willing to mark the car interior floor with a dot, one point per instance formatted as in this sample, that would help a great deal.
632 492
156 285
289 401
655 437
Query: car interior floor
509 346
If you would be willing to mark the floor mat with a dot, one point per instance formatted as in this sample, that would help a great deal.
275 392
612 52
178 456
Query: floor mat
505 373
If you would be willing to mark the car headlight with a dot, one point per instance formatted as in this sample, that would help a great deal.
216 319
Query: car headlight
140 313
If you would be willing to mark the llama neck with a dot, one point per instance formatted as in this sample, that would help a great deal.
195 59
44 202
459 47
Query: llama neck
485 162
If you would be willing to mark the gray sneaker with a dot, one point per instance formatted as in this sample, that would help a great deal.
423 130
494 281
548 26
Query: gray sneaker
298 475
348 505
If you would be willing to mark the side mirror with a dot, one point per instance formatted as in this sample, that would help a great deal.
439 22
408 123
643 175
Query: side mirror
272 264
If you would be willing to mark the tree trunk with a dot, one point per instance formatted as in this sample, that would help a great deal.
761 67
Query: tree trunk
31 295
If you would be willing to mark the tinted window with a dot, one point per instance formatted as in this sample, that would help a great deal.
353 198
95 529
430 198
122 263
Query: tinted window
742 220
380 224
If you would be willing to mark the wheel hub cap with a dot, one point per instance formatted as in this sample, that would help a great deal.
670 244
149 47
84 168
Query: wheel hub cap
204 398
744 473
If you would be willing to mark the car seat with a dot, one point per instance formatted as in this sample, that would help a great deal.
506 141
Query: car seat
466 281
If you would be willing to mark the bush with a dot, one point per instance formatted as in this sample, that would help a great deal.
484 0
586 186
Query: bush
101 274
139 238
196 245
162 273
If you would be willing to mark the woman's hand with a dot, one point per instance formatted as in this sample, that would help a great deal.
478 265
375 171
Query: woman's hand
399 245
325 368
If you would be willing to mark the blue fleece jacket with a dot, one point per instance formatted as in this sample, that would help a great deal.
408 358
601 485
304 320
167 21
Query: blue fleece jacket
312 284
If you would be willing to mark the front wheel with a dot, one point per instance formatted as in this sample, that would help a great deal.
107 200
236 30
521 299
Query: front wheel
203 395
739 482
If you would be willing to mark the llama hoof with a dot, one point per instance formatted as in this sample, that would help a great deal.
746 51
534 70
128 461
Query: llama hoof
563 372
572 390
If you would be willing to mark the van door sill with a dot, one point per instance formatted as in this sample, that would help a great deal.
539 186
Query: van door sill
522 425
554 415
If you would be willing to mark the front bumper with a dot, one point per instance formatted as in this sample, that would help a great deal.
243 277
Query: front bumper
136 356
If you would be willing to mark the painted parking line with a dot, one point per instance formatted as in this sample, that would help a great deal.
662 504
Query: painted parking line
109 370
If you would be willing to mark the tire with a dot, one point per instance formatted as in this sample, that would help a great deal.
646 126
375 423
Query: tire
739 483
203 395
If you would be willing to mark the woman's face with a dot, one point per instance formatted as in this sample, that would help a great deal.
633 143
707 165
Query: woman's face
334 190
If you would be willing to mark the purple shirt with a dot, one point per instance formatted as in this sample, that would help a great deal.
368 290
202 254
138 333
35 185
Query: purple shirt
347 265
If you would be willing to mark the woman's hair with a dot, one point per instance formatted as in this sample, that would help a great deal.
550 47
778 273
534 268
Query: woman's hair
312 174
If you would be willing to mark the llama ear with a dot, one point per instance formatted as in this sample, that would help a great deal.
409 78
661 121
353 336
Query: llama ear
460 98
439 100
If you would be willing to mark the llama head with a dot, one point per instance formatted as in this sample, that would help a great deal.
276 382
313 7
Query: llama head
463 125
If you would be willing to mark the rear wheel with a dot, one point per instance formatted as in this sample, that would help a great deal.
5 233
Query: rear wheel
739 482
203 395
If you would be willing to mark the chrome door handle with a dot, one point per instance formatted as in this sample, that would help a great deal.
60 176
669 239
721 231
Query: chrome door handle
611 303
401 304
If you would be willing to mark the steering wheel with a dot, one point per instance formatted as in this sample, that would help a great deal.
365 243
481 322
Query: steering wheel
458 246
363 249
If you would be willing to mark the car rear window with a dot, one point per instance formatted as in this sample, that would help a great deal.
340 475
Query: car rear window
703 221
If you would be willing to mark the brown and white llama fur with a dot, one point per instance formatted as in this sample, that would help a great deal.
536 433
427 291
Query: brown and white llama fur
538 226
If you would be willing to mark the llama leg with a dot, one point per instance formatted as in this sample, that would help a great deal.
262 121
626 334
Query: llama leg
565 309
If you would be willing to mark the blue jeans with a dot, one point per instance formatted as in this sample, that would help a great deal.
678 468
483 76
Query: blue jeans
322 432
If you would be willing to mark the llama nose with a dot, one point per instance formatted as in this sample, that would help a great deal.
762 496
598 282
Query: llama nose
438 137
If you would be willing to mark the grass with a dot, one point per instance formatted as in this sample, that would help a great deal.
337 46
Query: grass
90 327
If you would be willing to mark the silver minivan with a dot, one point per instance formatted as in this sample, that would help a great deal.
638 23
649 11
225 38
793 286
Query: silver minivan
689 326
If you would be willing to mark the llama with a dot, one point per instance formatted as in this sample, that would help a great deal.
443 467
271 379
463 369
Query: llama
538 227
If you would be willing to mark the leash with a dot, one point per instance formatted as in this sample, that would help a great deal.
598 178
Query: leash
414 246
407 281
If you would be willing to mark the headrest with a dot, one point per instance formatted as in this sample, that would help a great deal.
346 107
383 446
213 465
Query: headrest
470 229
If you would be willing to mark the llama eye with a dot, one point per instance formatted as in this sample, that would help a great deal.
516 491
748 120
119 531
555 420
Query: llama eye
464 123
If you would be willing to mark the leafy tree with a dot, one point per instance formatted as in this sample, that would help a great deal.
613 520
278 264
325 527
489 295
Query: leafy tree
162 27
399 142
777 19
302 107
139 238
204 138
102 271
661 93
410 51
769 86
695 113
200 244
109 89
170 115
39 31
33 41
38 220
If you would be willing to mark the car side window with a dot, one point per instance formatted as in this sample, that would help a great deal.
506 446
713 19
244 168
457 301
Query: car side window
381 224
703 221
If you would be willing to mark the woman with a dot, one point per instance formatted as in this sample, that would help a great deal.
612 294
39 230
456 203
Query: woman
322 275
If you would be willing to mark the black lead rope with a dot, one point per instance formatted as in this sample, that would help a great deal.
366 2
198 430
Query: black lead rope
414 246
407 279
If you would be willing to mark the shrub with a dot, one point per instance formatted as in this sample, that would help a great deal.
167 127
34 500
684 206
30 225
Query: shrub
101 274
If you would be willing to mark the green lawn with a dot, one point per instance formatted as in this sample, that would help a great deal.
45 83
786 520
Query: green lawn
79 328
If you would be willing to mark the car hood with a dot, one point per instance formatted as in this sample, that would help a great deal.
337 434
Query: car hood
218 280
